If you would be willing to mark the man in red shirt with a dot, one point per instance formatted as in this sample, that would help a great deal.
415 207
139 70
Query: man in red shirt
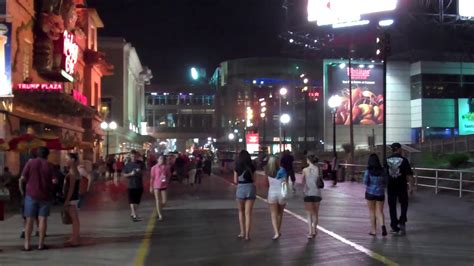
38 177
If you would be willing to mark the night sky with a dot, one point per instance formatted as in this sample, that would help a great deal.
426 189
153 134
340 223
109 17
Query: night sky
172 35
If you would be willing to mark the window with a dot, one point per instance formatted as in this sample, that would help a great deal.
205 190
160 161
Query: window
93 36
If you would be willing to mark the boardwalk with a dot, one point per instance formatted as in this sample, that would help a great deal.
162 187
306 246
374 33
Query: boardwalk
200 228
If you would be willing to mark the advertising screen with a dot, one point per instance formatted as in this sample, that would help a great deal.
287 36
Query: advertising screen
367 93
252 140
327 12
466 116
5 60
466 8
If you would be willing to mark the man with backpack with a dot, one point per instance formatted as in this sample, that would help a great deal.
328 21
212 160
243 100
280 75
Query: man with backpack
399 172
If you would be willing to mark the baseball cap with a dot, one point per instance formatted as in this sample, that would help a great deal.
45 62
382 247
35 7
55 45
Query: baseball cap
396 146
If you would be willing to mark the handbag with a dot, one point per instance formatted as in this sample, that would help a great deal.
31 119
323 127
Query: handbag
319 182
66 217
284 189
4 195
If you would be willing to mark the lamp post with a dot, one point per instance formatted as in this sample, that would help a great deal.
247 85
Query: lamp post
284 119
107 127
334 102
283 92
305 95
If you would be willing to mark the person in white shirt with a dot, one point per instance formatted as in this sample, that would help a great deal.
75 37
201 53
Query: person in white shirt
277 183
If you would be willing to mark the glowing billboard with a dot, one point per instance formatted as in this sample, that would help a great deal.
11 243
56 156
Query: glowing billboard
466 116
466 8
5 60
328 12
367 96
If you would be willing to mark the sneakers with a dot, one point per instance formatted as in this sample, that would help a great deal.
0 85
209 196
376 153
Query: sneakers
395 231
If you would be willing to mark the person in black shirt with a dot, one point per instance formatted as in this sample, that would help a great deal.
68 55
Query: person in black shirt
399 172
133 170
246 192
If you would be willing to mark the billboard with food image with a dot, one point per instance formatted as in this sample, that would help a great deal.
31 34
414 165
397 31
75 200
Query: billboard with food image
367 93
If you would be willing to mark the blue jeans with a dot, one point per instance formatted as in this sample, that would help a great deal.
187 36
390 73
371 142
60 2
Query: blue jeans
34 208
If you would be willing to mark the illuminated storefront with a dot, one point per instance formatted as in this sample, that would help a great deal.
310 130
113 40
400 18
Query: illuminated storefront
55 98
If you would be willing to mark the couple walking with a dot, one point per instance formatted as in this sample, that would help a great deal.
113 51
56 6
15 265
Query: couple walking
394 178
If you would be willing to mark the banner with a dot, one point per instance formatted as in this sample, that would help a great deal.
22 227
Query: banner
367 93
5 60
253 142
466 116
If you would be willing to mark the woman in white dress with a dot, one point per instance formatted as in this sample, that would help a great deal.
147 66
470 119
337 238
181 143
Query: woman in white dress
312 193
276 177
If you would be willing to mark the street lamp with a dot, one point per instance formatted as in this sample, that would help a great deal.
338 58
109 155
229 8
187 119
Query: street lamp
334 102
284 119
107 127
194 73
283 92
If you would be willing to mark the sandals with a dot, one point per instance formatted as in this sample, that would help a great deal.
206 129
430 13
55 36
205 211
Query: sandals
372 234
311 236
44 247
276 237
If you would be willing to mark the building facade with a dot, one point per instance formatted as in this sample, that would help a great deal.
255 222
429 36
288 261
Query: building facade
248 102
123 96
181 117
425 100
56 72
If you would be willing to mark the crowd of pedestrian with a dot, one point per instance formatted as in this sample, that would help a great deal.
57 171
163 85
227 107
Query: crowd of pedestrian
41 184
393 178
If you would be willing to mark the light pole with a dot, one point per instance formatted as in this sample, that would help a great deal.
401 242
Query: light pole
284 119
108 127
334 102
305 95
283 92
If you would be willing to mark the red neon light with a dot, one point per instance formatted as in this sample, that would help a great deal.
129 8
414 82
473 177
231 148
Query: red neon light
252 138
78 96
70 52
39 86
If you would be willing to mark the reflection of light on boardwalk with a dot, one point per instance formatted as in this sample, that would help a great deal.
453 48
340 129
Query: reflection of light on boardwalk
360 248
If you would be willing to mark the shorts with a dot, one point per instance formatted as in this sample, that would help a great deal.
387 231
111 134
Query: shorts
246 191
34 208
276 198
135 195
312 199
374 197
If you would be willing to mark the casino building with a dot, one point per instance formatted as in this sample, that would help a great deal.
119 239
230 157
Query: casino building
54 70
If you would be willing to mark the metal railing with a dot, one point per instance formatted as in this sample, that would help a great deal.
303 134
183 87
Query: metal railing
455 180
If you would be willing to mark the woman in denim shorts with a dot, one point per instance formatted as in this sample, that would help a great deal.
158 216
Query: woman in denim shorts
246 192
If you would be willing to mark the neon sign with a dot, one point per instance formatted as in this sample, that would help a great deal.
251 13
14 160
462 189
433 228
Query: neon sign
70 52
78 96
39 86
328 12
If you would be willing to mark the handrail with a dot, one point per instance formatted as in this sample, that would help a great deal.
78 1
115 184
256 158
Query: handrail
461 179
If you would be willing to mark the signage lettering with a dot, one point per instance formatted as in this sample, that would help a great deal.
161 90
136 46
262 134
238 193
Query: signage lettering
78 96
40 86
70 52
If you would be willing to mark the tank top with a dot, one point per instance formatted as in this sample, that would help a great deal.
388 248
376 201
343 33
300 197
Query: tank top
311 177
75 192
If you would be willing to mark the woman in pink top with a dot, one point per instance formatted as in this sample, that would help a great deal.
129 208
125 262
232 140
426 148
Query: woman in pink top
159 178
